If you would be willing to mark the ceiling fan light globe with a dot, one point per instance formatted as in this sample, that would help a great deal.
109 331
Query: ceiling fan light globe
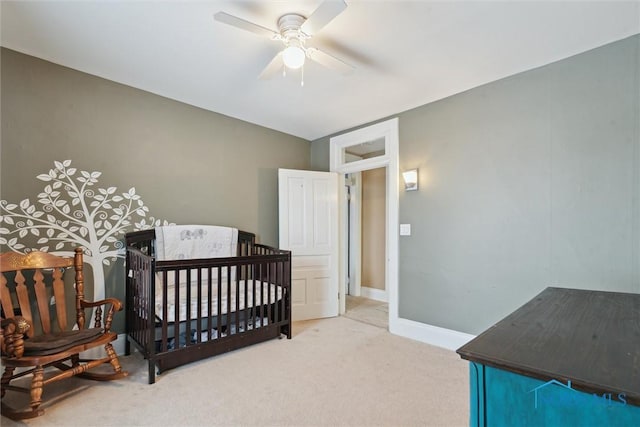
293 57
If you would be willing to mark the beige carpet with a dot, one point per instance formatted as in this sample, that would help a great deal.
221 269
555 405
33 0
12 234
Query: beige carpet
333 372
369 311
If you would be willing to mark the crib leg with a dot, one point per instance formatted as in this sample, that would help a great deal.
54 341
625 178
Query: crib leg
152 372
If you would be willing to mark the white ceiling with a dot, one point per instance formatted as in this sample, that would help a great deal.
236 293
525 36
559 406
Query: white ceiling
406 53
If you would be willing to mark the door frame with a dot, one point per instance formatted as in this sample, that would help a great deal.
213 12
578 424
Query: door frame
354 216
389 131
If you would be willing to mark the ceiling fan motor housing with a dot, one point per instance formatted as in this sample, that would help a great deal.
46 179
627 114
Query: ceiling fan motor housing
289 26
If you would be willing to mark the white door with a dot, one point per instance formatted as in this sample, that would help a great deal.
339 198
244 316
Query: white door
308 211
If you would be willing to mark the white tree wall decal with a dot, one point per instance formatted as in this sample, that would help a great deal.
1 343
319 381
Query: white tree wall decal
73 213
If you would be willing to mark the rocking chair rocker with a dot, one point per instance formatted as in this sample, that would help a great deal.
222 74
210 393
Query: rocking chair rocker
33 284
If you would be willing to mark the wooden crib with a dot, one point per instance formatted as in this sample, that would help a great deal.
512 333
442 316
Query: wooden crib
181 311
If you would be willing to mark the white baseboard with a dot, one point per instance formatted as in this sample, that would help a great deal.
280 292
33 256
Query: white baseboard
373 293
98 352
434 335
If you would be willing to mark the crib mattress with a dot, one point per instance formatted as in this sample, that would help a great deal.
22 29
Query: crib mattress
265 293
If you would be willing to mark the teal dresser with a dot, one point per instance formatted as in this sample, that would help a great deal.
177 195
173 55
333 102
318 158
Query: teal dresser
568 357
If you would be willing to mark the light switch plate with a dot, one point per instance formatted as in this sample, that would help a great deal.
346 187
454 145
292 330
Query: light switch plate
405 229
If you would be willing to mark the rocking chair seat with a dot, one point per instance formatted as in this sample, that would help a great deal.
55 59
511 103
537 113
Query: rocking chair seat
44 345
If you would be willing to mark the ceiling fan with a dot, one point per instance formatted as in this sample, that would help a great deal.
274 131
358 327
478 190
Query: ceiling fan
294 30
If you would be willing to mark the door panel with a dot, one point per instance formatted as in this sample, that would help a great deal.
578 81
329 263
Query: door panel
323 190
296 212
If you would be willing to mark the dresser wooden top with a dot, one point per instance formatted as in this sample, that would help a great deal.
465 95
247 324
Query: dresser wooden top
589 337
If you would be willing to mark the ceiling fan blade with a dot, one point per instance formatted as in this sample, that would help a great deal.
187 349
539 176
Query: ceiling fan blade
324 14
328 61
245 25
273 67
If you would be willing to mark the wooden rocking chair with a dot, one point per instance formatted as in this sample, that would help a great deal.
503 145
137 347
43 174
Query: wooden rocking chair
33 284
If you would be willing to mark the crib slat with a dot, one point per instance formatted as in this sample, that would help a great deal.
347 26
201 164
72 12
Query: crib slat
210 299
148 294
275 286
199 310
165 310
176 300
229 308
188 302
247 311
219 300
268 280
253 297
283 288
237 307
261 276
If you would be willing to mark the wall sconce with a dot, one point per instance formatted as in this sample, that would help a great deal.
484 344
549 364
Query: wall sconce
410 180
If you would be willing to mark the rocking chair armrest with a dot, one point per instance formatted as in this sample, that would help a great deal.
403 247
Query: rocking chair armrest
12 336
116 303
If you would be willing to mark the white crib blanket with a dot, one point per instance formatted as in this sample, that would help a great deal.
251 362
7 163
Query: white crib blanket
176 242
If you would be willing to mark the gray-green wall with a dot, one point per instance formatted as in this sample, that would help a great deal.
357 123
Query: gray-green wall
188 165
527 182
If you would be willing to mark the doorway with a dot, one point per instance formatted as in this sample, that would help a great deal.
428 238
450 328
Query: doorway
366 298
380 143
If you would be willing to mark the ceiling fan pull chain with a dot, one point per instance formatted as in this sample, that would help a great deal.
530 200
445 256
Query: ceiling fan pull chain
302 77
